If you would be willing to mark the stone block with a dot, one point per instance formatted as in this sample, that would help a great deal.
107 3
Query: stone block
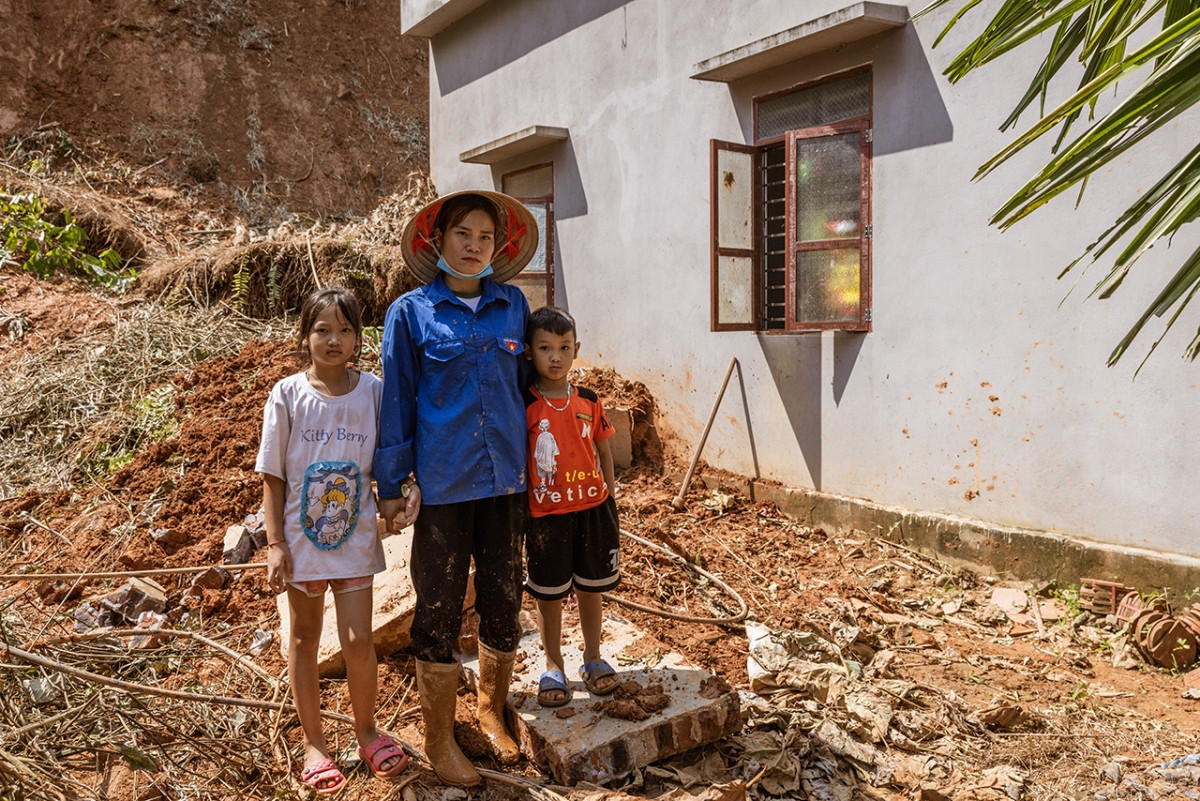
240 545
583 741
138 595
233 536
212 579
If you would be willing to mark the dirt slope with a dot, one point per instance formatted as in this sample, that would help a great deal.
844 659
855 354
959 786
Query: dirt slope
314 107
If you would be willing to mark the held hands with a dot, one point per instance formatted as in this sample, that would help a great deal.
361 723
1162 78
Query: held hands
406 508
413 506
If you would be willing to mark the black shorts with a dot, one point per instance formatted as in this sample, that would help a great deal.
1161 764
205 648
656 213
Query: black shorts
576 549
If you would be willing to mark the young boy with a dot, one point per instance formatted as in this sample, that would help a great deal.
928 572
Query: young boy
573 532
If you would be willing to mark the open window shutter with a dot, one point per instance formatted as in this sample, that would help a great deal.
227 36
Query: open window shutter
828 227
734 257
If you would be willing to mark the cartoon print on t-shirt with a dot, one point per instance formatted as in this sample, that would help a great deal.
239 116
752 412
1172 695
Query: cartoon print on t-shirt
545 453
331 503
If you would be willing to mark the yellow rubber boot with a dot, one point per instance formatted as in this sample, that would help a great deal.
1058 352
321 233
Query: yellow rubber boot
495 674
438 687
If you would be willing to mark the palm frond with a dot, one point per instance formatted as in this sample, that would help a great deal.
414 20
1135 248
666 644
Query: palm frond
1170 90
1178 179
1098 34
1186 279
1176 43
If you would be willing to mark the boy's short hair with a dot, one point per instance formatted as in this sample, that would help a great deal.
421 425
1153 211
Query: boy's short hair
552 319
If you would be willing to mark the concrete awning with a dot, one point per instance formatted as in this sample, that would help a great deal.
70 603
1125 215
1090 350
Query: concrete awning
854 22
430 17
515 144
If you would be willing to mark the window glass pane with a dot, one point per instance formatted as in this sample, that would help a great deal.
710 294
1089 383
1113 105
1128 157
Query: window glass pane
735 196
735 286
828 187
822 104
538 182
538 263
827 285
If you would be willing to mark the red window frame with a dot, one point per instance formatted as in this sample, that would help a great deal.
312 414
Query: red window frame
757 185
862 127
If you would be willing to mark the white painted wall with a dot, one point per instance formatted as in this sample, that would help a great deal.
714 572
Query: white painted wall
975 394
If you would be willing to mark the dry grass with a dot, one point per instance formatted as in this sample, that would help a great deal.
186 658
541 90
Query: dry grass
79 722
271 275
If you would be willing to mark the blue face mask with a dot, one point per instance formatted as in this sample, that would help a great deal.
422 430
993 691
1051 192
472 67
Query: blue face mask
448 270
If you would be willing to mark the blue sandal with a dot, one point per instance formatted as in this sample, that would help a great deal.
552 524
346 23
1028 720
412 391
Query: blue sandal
551 681
594 672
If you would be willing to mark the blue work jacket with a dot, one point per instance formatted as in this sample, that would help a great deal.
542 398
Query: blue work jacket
451 411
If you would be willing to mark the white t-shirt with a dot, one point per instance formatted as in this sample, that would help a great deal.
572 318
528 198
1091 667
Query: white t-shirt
323 447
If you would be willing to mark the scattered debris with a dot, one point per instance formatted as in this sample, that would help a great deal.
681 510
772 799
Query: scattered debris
1102 597
126 606
243 541
869 668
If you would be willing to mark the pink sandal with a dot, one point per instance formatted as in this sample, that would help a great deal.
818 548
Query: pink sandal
381 749
324 772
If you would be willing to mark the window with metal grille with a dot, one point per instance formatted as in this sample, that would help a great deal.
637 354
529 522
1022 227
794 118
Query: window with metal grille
791 213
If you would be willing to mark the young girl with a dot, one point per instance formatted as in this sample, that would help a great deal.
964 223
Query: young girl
318 445
453 420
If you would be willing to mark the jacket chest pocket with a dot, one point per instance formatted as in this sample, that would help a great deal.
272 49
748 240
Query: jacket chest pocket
510 345
445 351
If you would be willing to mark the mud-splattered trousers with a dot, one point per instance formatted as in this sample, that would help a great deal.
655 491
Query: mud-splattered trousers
445 538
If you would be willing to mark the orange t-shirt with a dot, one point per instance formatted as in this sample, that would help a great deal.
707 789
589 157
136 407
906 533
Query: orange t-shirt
564 465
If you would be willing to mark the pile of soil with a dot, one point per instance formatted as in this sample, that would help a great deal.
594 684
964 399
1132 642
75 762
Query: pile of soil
632 397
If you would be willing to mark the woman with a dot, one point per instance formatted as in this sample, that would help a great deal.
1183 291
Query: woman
451 433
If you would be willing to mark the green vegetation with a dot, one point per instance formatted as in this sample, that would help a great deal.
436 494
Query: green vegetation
149 419
39 246
240 289
1069 596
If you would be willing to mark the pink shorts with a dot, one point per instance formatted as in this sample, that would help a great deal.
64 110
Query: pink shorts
316 588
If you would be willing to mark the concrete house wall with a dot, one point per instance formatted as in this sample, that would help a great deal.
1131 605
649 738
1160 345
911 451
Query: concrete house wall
981 391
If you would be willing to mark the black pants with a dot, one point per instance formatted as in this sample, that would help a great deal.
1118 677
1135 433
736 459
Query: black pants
446 537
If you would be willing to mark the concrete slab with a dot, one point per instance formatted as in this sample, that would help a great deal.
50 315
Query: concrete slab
976 544
583 741
393 608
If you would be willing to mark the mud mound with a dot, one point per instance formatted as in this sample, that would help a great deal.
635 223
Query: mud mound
617 392
202 480
31 318
171 506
